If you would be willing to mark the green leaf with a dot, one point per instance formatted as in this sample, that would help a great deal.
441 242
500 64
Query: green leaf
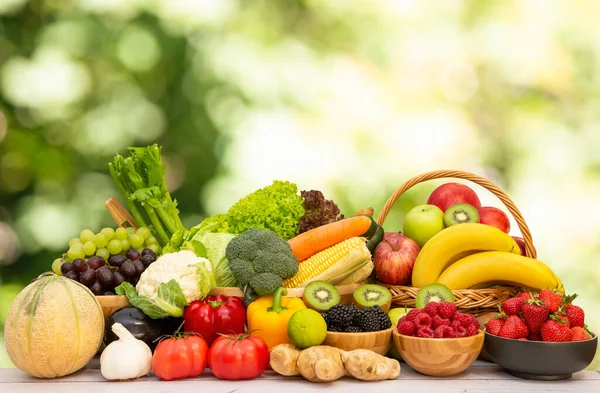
196 247
170 300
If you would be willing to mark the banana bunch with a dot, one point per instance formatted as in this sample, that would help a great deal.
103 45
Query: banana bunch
476 255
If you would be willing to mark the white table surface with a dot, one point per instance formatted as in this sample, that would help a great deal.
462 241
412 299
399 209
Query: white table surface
480 377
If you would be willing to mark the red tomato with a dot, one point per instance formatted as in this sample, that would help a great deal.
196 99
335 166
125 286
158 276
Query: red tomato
215 315
180 357
238 357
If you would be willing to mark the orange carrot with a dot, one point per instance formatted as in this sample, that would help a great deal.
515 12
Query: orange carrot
367 210
318 239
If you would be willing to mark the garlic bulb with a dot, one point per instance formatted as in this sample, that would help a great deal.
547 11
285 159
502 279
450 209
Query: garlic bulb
125 358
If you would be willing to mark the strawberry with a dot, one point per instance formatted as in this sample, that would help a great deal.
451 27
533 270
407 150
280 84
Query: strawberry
574 313
554 330
425 332
514 328
561 317
412 314
512 306
431 308
423 320
446 309
444 332
494 325
525 296
407 328
459 329
472 330
439 321
535 337
535 313
580 334
552 299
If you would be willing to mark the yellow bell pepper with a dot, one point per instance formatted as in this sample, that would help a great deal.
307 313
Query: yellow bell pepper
268 317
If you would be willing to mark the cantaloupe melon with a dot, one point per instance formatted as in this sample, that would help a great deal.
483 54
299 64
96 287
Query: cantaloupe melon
54 327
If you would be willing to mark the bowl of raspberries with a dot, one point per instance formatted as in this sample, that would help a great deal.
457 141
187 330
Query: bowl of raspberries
350 327
437 340
540 336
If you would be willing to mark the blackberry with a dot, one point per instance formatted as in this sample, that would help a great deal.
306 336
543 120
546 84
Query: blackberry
352 329
372 319
342 315
334 328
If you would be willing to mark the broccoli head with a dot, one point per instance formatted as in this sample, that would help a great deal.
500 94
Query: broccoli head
261 259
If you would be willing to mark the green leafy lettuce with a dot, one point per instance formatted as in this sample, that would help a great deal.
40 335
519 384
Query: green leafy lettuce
169 301
277 208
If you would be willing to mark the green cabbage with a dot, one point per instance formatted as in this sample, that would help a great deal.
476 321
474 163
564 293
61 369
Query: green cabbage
215 244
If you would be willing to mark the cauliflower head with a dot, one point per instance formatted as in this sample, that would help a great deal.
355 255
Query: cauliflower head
192 273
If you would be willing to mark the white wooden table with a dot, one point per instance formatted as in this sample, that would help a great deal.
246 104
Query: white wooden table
480 377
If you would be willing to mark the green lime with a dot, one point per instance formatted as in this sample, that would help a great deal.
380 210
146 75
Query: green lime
307 328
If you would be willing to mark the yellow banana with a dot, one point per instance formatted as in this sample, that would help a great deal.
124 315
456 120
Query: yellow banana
454 243
497 267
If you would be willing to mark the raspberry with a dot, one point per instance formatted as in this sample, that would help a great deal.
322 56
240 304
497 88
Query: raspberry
431 308
459 330
446 309
466 319
472 330
412 314
425 332
423 320
444 332
407 328
523 339
438 321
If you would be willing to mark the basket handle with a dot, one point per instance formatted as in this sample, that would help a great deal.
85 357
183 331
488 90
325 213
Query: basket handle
121 216
512 208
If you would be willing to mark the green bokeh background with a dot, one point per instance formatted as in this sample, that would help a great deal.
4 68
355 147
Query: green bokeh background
351 98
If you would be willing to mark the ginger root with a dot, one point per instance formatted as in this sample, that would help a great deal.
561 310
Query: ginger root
323 363
368 366
284 359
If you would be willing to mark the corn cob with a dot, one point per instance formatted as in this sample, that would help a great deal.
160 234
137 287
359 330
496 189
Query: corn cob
332 264
358 276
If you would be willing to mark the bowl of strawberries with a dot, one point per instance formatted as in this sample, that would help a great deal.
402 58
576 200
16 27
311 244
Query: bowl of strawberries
540 336
437 340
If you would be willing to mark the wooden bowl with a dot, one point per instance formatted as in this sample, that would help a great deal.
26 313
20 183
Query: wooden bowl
538 360
439 357
110 304
346 292
378 342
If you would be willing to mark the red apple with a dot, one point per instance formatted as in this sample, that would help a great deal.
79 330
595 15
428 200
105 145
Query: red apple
495 217
450 194
394 258
521 244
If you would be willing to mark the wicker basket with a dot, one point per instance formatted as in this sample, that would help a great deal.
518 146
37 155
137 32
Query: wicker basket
472 301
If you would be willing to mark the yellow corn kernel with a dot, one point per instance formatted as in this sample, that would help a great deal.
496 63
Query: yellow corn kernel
326 259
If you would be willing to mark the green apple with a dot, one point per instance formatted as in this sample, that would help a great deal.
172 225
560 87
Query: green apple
422 222
396 313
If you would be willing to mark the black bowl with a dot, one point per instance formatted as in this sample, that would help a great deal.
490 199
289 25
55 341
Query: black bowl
537 360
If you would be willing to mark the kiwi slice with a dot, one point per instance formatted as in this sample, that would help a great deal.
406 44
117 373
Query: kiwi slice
461 213
433 293
320 295
368 295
